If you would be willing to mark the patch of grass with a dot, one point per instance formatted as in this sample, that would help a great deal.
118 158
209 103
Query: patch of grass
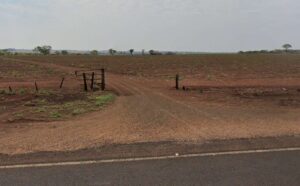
55 115
75 104
79 111
104 99
44 92
22 91
6 92
41 101
40 110
18 115
48 107
2 91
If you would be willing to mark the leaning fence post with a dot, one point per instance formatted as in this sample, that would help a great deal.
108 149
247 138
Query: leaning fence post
177 81
10 89
103 79
62 82
36 87
84 81
92 81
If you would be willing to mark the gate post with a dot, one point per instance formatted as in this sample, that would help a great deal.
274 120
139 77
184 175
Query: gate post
177 81
84 81
36 86
103 79
92 81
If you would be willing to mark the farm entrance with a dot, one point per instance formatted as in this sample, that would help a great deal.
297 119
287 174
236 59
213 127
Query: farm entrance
93 79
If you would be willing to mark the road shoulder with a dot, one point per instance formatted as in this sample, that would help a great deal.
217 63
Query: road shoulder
152 149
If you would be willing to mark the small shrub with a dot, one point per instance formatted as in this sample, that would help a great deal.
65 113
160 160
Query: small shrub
22 91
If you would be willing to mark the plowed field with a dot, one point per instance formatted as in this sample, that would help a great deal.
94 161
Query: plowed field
225 97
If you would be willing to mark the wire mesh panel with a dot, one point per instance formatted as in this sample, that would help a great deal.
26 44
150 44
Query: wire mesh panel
93 79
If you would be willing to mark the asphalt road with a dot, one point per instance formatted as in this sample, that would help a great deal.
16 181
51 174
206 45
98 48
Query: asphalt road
272 168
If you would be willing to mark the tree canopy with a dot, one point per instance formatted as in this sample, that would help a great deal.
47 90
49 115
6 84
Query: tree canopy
287 46
112 51
64 52
94 52
131 51
45 50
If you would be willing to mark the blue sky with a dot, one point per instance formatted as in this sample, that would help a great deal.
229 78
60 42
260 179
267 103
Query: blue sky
189 25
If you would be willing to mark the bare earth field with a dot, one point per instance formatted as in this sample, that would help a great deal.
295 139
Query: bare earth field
227 97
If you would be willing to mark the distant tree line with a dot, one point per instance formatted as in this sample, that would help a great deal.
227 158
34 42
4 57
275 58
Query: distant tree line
286 49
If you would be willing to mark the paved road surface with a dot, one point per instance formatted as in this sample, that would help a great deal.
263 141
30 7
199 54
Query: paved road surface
273 168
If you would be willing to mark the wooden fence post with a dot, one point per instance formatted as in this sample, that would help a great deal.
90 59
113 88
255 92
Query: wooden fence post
177 82
10 89
36 87
92 81
103 79
84 81
62 82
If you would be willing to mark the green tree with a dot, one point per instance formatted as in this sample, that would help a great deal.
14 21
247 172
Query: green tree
153 52
65 52
112 51
45 50
287 47
131 51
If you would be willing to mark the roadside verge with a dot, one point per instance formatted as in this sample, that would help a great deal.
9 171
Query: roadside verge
152 149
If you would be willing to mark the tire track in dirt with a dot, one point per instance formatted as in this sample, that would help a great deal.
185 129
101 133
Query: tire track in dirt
184 105
148 103
151 99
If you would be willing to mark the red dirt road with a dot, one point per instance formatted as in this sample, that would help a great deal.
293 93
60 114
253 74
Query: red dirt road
149 110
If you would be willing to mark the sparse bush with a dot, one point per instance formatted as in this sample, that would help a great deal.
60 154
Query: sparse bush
94 52
45 50
64 52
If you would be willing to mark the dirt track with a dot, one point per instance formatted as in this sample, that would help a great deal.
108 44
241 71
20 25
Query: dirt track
149 110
